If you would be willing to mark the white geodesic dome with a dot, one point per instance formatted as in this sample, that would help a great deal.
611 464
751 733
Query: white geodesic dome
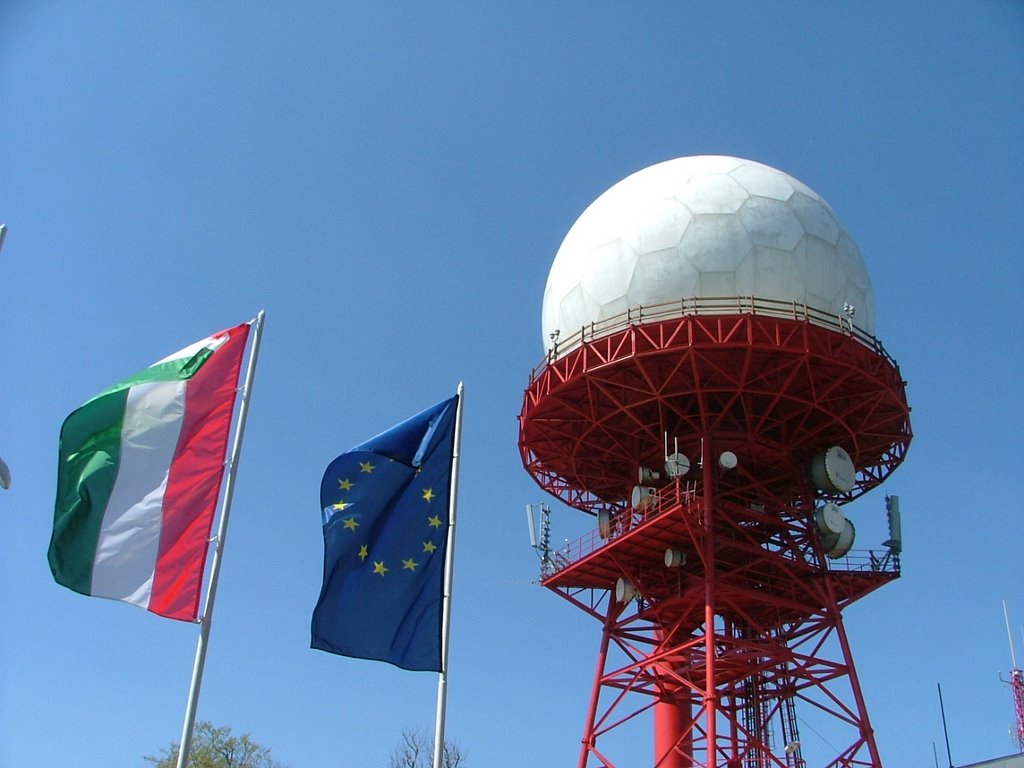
705 227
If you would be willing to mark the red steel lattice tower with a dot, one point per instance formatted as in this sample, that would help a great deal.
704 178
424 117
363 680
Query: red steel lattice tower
1017 689
1016 683
715 440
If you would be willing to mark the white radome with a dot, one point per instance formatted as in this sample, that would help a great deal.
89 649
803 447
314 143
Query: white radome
705 227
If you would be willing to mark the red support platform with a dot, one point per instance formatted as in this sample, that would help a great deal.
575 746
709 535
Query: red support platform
721 648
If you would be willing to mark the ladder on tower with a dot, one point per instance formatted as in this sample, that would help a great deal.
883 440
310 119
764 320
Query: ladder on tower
758 697
755 722
790 732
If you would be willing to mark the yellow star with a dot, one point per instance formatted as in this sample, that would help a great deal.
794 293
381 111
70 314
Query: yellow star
434 522
363 552
351 523
429 547
409 565
340 505
346 484
365 466
380 568
429 494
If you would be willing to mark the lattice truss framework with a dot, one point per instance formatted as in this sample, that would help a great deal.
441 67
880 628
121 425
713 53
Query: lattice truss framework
772 390
777 619
750 624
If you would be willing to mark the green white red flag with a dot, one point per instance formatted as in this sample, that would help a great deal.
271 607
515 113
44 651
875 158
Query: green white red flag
138 479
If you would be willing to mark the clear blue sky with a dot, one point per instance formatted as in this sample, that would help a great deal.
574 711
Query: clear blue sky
390 182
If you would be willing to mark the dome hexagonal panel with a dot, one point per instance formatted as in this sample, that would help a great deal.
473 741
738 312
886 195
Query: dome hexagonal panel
771 223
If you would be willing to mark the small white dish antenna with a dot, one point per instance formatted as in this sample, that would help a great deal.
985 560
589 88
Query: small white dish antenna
839 544
829 518
674 558
646 476
727 460
833 472
624 590
5 475
643 496
676 465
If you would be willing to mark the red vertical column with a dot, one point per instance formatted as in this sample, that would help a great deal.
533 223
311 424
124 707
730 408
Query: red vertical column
673 725
710 692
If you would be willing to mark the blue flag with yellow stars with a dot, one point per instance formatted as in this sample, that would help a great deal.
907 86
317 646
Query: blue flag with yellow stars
385 517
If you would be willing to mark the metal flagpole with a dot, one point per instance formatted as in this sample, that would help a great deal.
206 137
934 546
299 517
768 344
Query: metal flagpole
211 589
945 730
446 610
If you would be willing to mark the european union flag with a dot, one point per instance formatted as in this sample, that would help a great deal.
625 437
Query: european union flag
385 517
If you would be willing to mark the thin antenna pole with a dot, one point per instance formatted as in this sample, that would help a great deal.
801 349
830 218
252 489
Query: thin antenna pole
1009 635
449 566
222 529
945 731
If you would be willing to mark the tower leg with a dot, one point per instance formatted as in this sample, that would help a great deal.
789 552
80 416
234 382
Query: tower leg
867 733
589 744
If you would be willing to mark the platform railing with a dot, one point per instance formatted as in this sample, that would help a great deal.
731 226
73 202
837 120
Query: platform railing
707 306
866 561
620 523
685 494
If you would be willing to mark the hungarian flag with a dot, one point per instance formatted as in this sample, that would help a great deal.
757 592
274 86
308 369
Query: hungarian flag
138 479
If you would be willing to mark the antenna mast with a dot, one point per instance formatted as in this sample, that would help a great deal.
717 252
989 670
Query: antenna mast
541 545
1016 685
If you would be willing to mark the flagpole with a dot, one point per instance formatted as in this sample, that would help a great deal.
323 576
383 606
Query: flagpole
449 563
211 589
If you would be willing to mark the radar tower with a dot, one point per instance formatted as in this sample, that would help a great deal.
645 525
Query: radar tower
717 306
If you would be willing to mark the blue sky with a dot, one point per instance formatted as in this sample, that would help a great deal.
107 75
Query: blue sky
390 182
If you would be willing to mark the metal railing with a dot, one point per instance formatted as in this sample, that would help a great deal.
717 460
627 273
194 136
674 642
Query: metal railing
685 494
707 306
866 560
